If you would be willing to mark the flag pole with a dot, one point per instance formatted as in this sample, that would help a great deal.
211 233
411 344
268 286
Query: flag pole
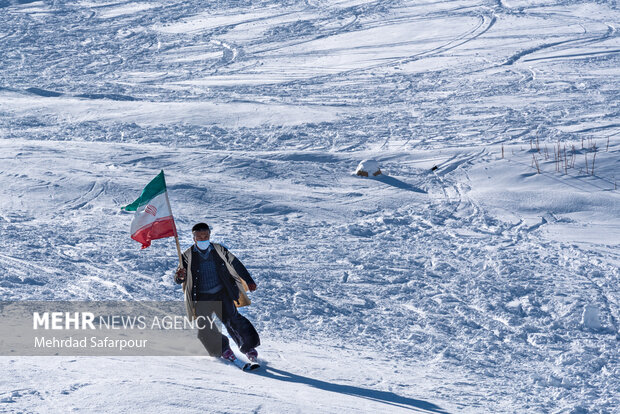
176 235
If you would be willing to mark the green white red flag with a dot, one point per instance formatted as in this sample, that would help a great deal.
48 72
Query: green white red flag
153 218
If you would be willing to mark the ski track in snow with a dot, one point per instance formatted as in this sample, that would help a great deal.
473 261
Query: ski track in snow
458 290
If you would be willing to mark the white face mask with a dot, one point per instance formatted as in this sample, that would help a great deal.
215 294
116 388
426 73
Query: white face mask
203 245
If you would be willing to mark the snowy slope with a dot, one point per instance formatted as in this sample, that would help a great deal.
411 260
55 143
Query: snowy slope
456 290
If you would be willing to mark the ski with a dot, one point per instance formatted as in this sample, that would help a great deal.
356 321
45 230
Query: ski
251 366
243 366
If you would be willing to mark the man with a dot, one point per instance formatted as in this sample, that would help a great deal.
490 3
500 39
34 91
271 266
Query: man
210 276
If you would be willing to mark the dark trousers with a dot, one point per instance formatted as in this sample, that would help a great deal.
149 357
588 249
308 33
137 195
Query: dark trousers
238 326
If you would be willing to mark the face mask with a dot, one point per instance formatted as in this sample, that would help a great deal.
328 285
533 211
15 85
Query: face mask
203 245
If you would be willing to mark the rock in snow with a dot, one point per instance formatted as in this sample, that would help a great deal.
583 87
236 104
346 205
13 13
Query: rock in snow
368 168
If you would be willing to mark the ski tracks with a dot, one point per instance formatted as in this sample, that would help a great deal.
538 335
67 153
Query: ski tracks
470 261
580 41
95 190
584 265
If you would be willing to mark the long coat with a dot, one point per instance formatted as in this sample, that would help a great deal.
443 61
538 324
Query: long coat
232 274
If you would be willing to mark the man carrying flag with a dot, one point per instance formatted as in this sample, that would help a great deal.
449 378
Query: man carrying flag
214 280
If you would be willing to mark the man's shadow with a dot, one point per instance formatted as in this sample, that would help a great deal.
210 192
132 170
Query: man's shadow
384 397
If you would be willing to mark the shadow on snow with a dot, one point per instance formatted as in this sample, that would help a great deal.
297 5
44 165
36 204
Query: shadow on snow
385 397
395 182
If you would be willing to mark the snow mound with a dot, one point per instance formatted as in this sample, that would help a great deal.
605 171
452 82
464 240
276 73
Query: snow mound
590 318
368 168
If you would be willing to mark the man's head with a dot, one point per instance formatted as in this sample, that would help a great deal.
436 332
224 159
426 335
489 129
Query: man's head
201 232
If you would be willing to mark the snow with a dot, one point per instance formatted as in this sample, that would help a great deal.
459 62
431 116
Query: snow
104 109
116 10
486 285
590 317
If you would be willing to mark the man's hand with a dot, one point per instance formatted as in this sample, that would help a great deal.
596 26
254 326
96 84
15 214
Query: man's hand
252 287
180 274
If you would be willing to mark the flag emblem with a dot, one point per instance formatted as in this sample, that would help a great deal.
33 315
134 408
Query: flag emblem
151 209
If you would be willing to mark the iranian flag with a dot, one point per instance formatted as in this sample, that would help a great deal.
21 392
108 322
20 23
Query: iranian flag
153 219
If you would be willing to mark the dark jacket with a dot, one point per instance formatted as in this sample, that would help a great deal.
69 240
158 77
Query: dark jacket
230 271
